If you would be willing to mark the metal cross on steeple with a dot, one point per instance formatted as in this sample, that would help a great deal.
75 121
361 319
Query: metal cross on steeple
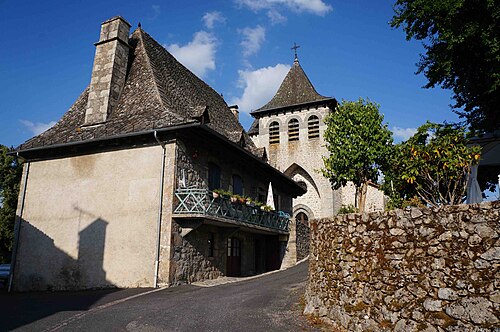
294 48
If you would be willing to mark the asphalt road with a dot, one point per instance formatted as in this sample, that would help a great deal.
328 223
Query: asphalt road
267 303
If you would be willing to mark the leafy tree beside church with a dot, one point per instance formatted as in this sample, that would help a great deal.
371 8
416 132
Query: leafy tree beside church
10 176
359 145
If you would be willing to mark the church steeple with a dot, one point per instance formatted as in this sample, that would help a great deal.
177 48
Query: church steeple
296 89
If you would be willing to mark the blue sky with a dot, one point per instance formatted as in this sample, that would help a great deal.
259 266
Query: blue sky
239 47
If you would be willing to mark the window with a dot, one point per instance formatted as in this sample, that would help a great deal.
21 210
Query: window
313 127
233 247
261 195
213 176
237 185
293 130
274 132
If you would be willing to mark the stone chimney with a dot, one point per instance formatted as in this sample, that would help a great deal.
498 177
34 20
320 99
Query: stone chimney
109 71
234 110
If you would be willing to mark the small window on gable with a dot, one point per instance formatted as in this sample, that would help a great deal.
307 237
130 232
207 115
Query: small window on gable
293 130
213 176
237 185
313 127
274 132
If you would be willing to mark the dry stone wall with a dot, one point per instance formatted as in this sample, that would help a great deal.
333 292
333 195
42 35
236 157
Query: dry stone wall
408 270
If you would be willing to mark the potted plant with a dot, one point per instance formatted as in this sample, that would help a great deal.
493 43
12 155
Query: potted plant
217 192
266 208
234 198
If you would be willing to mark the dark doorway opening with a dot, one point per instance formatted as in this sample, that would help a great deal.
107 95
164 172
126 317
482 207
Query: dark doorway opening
233 257
273 261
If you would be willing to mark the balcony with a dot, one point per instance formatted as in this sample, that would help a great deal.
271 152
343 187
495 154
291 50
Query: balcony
196 203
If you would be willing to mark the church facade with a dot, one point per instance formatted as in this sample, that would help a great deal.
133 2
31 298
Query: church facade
290 127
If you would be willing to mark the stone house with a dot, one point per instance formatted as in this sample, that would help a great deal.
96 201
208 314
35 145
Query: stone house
118 191
290 127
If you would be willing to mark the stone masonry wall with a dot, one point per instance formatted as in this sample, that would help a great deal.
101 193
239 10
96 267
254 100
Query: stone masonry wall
408 270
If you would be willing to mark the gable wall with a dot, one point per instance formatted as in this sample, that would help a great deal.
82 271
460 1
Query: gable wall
90 221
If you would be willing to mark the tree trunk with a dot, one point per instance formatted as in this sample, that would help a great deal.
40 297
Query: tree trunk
362 197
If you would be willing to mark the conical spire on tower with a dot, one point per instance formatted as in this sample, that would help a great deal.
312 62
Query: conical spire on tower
296 89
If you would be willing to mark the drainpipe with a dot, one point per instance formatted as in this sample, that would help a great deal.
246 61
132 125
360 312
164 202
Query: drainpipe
160 210
17 228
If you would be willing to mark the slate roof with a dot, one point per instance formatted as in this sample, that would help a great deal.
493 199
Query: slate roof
254 128
296 89
159 92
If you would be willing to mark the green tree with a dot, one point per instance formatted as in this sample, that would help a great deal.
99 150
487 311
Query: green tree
10 177
437 162
398 190
462 52
359 145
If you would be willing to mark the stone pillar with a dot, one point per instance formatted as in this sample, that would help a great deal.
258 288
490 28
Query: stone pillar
291 249
109 71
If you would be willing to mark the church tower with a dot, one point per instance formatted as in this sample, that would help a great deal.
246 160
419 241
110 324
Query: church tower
290 127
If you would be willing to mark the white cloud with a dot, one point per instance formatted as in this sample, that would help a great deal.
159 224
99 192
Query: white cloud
317 7
275 16
37 127
198 55
252 39
210 18
259 86
403 134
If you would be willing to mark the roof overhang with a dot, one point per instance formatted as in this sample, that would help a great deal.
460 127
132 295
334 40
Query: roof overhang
146 138
324 102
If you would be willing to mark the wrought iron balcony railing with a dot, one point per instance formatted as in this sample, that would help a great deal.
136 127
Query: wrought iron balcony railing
197 201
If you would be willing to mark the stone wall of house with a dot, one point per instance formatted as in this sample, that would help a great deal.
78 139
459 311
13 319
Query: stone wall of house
192 171
408 270
191 260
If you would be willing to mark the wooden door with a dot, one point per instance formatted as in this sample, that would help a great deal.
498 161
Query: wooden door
233 257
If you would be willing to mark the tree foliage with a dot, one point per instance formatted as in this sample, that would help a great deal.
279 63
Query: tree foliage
10 176
359 145
400 192
436 162
462 52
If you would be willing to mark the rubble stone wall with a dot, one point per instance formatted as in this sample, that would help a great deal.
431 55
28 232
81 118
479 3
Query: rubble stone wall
408 270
